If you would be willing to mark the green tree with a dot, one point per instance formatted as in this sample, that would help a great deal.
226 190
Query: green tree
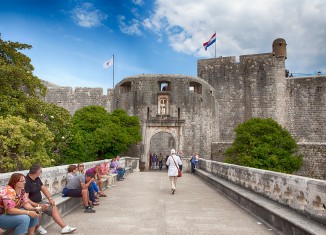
131 124
23 143
19 88
97 134
21 92
264 144
58 120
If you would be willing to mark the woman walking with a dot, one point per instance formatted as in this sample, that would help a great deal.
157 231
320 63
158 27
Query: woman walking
173 162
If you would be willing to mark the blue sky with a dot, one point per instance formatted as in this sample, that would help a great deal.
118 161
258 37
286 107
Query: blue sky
72 39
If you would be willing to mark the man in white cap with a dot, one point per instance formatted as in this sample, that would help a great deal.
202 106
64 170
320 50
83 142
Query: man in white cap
173 162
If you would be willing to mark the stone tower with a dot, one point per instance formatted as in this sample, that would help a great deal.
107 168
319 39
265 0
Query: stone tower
279 48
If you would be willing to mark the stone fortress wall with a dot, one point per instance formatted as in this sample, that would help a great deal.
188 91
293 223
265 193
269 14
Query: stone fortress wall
257 87
74 99
188 109
202 112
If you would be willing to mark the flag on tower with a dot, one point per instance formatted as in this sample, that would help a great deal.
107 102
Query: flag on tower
210 41
108 63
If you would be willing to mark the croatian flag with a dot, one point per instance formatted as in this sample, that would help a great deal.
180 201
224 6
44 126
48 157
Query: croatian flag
210 41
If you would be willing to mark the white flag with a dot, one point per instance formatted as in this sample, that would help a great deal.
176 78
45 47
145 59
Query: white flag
108 63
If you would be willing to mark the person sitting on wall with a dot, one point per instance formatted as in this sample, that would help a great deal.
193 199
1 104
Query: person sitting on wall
81 186
72 170
33 188
80 170
114 169
120 168
104 171
97 174
15 210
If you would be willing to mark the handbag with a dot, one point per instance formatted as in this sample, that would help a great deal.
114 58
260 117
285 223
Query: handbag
179 171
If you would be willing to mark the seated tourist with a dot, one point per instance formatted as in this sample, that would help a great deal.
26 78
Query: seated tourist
80 170
33 188
72 170
104 171
121 169
81 186
15 211
114 168
96 171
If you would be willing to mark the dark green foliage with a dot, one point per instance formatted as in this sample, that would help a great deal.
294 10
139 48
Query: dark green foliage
20 96
18 86
97 134
264 144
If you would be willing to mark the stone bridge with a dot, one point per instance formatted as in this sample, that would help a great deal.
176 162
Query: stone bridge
219 199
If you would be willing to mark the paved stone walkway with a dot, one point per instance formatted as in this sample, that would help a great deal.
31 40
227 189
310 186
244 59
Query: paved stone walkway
142 204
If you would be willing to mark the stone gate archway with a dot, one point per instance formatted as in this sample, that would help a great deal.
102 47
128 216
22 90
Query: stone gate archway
161 142
161 138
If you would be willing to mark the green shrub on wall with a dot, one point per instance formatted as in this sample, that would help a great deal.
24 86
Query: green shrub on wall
264 144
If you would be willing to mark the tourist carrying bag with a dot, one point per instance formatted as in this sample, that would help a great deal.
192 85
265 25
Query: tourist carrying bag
179 171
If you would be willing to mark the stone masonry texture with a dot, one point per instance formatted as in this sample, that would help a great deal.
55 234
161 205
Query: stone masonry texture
200 113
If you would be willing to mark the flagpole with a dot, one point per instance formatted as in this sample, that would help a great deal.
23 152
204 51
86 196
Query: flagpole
215 44
113 71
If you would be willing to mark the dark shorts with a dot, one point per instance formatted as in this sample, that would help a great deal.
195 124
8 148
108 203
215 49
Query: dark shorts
74 193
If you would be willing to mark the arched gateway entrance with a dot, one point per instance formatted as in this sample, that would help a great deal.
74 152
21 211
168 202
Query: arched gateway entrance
161 142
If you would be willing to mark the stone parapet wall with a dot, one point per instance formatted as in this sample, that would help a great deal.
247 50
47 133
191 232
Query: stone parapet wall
314 158
54 178
305 195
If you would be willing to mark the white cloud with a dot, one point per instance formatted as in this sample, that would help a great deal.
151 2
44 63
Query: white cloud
138 2
86 15
132 28
244 27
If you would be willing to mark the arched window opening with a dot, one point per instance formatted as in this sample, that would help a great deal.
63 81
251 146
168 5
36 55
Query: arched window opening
195 87
125 87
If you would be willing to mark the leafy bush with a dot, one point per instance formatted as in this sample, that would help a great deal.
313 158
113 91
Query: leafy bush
264 144
97 134
23 143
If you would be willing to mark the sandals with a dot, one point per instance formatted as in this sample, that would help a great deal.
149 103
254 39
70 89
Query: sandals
102 195
96 204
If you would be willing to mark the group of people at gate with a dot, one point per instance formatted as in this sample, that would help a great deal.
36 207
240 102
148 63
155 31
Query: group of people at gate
156 161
